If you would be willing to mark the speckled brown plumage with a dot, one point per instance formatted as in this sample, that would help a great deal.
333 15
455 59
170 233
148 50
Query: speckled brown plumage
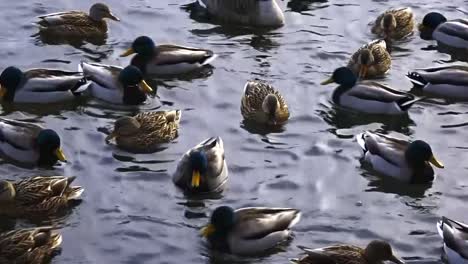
404 23
382 59
73 24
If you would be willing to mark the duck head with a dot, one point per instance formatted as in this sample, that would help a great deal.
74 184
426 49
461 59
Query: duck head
7 191
199 165
124 126
10 80
365 60
222 220
143 46
419 155
48 142
99 11
378 251
342 76
271 107
135 87
389 24
430 22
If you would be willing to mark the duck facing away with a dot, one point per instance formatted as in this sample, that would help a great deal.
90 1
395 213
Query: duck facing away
261 103
265 13
166 59
77 24
37 196
455 236
251 230
394 24
144 132
376 252
447 81
40 85
399 159
115 84
452 33
367 96
29 144
203 168
371 60
33 245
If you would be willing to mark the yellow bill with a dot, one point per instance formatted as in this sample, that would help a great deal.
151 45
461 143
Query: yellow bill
145 87
436 162
363 71
207 230
328 81
111 136
2 91
60 155
130 51
196 179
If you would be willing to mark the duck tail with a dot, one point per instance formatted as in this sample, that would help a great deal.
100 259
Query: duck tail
80 86
407 102
361 141
209 58
75 193
417 80
294 261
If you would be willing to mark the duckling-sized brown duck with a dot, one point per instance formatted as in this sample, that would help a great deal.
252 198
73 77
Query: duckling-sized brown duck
371 60
394 24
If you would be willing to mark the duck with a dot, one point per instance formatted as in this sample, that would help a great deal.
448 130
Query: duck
144 132
166 59
262 103
376 252
408 162
265 13
203 168
455 236
77 24
249 230
394 24
37 196
447 81
29 144
115 84
452 33
368 96
29 245
40 85
371 60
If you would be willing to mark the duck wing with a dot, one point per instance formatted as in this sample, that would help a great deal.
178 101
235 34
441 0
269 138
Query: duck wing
49 80
104 75
455 235
455 75
376 92
21 135
239 7
390 149
457 28
173 54
76 18
333 254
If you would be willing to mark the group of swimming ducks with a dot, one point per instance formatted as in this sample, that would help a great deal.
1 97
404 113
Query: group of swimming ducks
203 169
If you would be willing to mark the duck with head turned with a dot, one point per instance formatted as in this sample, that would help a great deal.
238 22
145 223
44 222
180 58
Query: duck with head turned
203 168
166 59
455 236
394 24
250 230
376 252
452 34
115 84
409 162
367 96
29 144
371 60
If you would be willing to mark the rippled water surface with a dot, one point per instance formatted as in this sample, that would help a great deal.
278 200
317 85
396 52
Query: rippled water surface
132 213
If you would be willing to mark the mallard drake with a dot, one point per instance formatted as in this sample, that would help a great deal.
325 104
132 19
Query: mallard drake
145 131
263 104
166 59
452 33
116 85
246 12
376 252
29 144
31 245
371 60
402 160
37 196
40 85
250 230
203 168
394 24
368 97
77 24
446 81
455 236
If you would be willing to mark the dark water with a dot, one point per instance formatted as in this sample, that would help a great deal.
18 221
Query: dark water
132 213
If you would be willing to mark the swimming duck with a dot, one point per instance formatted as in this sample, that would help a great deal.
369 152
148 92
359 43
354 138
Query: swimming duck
29 144
394 24
371 60
166 59
115 84
37 196
452 33
455 236
77 24
368 97
447 81
40 85
250 230
145 131
376 252
263 104
246 12
203 168
31 245
402 160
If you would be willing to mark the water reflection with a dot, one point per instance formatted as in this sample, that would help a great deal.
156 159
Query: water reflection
385 184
